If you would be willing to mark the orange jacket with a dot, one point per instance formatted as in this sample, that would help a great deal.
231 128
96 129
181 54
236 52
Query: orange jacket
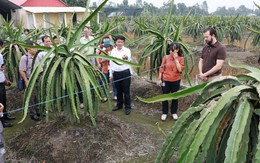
169 70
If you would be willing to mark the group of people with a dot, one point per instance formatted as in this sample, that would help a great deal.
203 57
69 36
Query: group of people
210 65
117 73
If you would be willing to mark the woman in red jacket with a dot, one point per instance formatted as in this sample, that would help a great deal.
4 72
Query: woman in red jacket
170 77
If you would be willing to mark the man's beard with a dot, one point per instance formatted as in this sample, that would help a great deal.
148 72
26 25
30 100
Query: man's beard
209 42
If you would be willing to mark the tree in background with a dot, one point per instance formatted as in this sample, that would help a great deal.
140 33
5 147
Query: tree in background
139 3
178 9
204 7
182 8
125 3
81 3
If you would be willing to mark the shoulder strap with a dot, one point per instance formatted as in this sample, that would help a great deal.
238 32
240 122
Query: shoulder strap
166 63
164 66
27 61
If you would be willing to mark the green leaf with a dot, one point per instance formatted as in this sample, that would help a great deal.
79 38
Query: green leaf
213 87
257 111
172 138
253 30
257 154
244 77
249 68
175 95
112 58
193 128
240 128
207 123
168 21
65 72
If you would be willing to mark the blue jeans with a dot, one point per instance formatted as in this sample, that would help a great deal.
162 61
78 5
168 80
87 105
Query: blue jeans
100 83
114 88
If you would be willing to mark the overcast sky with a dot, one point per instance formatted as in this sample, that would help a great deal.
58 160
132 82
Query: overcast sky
212 4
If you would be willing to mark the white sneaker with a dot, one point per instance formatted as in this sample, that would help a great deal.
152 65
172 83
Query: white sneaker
115 98
175 116
163 117
81 106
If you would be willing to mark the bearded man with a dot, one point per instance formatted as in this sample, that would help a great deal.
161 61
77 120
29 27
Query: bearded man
212 58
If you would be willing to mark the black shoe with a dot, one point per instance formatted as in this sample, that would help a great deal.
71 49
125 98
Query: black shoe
35 118
7 125
127 111
9 118
117 108
38 114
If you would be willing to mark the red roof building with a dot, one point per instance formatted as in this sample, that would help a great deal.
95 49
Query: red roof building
39 3
44 13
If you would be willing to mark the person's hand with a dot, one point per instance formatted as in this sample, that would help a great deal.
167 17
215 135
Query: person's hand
175 55
2 68
203 77
8 83
111 79
1 108
99 65
125 57
26 83
159 82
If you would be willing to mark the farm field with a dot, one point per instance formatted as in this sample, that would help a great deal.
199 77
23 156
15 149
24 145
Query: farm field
116 138
217 121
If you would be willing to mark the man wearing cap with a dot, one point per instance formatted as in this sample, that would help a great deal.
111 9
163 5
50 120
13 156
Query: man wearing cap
87 37
212 58
121 74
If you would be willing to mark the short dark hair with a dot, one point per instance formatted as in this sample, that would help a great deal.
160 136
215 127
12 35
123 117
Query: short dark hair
44 37
26 30
211 30
54 37
120 37
1 42
30 43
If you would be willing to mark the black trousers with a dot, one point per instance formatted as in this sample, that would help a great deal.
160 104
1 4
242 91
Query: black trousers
169 88
122 81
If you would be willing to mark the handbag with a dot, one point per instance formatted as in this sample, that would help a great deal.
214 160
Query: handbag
21 84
